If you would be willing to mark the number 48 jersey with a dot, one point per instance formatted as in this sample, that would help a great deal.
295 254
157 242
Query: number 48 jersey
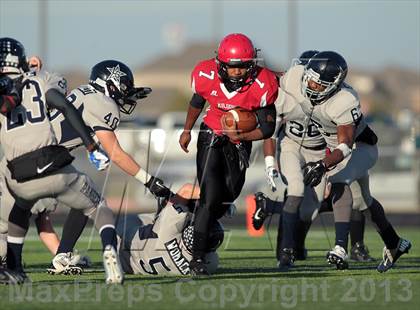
28 123
99 112
206 83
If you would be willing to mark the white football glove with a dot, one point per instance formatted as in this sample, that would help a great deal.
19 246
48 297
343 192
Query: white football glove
99 159
271 172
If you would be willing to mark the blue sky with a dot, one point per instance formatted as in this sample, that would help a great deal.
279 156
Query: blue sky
369 34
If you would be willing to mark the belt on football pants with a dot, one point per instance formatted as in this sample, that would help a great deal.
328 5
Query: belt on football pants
316 148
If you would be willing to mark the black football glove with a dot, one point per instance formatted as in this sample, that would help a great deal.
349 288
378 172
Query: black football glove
313 173
158 189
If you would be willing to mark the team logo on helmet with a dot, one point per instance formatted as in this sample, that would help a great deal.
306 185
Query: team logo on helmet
115 74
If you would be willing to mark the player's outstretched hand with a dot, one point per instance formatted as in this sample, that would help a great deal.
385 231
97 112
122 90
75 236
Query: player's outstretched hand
184 140
157 188
99 159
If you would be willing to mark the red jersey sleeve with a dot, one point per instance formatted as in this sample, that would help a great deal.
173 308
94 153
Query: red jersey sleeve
203 76
266 87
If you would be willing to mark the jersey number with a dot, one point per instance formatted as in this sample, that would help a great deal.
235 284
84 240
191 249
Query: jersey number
209 76
298 130
111 121
34 113
152 263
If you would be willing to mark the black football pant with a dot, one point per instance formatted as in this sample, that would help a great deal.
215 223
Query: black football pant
221 175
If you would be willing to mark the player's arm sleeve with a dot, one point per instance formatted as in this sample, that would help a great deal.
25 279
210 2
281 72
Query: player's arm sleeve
267 120
345 113
197 101
56 100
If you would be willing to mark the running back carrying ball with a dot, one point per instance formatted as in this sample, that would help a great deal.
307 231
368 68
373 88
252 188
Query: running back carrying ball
245 120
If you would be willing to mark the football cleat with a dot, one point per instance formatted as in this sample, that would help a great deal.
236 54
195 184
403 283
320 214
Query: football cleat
198 268
62 264
112 265
389 257
286 259
360 253
338 256
11 277
260 213
81 261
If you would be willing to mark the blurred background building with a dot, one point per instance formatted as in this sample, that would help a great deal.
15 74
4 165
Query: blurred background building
163 40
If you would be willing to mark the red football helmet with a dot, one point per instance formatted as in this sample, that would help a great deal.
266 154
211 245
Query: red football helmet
236 51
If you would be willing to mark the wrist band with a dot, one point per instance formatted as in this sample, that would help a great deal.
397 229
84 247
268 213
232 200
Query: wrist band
344 148
142 176
269 161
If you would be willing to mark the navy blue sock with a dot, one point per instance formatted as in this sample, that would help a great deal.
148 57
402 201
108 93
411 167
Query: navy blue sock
14 256
274 207
289 229
73 228
342 230
109 237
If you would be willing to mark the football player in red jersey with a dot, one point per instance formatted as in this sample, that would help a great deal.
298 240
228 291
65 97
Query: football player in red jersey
231 79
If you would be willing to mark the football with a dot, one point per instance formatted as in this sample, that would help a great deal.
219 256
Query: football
245 120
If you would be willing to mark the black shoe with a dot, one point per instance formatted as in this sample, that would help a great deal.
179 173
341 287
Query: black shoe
198 267
11 277
260 213
286 259
389 257
360 253
301 253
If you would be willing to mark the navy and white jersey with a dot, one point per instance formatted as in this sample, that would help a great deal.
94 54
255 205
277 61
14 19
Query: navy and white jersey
99 112
297 125
343 108
155 247
28 123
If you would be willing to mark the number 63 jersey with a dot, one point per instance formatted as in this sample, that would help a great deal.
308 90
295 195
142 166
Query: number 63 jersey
27 128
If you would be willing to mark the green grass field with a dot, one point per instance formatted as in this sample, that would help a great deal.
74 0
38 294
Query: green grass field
247 279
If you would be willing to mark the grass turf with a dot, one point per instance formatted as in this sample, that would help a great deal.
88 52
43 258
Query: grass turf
247 279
